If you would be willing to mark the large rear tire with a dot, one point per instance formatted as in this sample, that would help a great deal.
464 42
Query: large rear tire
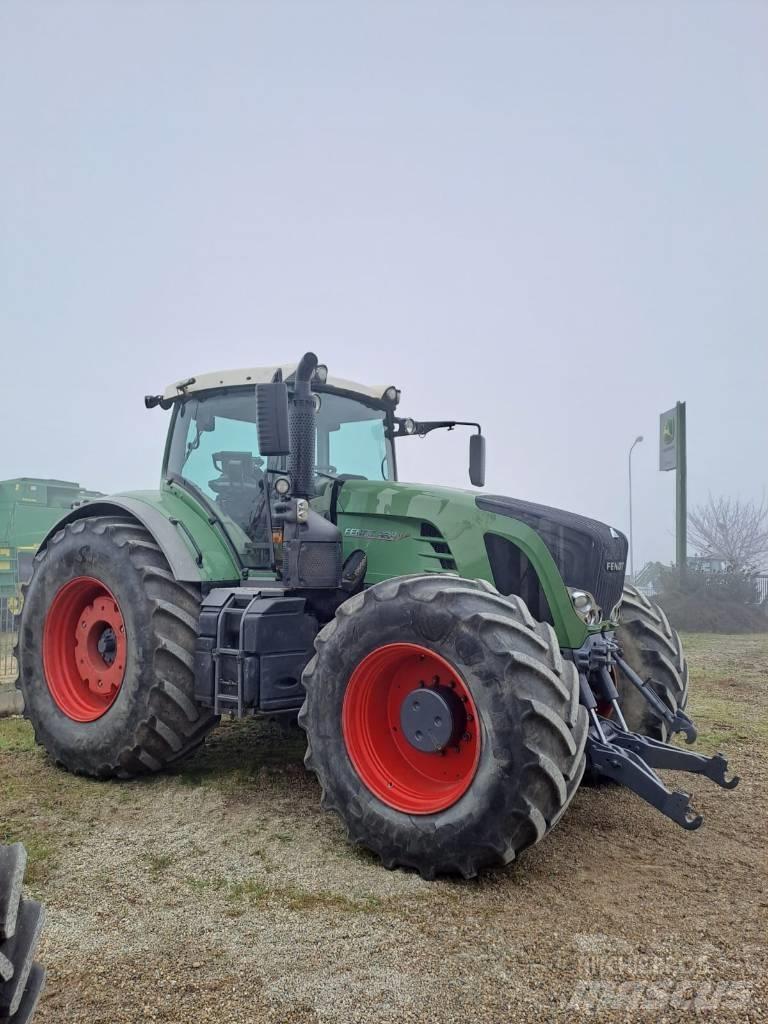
21 924
509 772
654 650
106 652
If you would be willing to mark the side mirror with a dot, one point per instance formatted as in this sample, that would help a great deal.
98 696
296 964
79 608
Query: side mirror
272 418
477 460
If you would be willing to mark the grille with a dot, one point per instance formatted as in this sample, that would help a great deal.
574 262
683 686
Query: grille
584 550
437 548
319 563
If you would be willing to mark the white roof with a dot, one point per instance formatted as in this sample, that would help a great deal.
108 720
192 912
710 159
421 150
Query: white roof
263 375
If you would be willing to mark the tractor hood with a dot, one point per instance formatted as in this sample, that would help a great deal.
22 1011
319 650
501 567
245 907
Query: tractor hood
406 528
589 554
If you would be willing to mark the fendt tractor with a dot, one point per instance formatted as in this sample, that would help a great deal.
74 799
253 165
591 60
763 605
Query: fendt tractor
457 660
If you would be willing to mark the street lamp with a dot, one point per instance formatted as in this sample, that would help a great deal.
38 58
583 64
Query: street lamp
637 440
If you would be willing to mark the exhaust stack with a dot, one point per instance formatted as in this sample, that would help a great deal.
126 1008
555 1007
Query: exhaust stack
301 462
311 544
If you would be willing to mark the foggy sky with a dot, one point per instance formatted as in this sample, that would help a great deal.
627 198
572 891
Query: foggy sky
548 217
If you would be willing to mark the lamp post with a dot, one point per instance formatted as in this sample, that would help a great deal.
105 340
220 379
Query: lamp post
637 440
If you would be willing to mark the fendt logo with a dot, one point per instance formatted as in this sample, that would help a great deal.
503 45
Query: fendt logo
615 566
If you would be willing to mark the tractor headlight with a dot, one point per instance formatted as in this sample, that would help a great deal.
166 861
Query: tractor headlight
585 606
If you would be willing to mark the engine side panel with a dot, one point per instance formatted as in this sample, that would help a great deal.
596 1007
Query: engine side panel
411 528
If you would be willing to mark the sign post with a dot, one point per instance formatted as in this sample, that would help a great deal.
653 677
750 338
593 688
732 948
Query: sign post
673 455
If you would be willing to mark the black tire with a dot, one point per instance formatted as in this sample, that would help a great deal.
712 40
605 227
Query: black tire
527 698
21 924
154 719
654 650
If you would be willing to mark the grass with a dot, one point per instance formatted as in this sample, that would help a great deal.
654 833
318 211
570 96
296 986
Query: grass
728 674
16 735
41 849
256 891
243 756
158 863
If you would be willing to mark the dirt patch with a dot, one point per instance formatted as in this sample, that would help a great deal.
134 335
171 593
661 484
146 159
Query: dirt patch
222 892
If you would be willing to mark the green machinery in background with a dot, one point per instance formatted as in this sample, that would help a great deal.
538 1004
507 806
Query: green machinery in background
29 506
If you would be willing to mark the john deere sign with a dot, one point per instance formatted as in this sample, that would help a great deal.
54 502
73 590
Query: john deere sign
672 455
668 440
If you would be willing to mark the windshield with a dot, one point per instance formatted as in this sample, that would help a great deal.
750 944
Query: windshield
352 439
214 446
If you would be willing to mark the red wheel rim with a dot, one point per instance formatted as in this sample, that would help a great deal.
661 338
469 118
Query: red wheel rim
401 776
84 649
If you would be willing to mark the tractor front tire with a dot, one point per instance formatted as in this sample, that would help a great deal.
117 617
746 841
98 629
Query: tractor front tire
421 643
106 652
654 650
21 923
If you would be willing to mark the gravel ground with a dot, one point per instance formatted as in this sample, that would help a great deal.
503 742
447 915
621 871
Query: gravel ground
222 893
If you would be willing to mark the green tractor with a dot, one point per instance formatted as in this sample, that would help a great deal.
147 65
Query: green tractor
457 661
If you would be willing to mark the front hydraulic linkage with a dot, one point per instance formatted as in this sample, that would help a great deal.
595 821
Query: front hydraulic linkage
630 759
677 721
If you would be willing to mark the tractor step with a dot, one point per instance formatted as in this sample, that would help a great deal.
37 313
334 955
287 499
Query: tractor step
251 650
630 759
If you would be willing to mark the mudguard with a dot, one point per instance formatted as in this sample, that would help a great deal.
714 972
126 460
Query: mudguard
196 552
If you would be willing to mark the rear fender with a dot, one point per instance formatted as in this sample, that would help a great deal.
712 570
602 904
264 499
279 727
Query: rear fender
196 552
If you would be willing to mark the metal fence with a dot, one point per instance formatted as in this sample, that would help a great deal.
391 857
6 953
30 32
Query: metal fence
760 583
7 641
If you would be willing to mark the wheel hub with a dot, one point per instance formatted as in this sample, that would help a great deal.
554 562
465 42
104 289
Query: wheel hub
84 649
99 640
410 728
432 718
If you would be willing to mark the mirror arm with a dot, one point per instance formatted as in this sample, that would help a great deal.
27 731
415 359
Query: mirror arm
422 429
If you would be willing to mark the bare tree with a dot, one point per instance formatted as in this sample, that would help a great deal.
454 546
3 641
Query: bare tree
734 530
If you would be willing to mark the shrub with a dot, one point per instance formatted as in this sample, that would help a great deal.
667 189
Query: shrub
713 602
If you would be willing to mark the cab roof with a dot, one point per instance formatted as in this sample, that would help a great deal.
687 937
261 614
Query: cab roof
265 374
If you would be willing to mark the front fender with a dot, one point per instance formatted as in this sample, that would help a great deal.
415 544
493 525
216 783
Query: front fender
195 551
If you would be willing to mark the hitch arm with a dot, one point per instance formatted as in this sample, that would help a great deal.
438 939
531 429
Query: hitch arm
628 768
677 721
662 755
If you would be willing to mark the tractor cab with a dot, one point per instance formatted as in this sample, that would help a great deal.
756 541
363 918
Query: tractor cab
213 446
214 449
